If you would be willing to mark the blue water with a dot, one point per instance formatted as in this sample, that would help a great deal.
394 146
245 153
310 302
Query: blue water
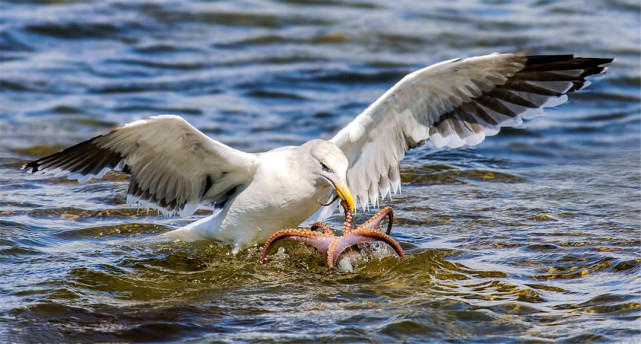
531 237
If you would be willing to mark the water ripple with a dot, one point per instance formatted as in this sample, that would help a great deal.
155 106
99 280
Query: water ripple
530 237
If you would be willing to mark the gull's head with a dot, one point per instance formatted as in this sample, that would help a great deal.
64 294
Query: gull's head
329 165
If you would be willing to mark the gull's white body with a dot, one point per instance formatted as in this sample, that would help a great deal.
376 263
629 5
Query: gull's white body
175 167
275 199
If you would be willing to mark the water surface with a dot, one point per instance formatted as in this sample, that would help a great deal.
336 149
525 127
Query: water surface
532 236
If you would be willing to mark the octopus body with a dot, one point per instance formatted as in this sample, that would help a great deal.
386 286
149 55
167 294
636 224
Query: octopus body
333 246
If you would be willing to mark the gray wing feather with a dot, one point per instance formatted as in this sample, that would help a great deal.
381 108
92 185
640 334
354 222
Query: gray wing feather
174 167
453 103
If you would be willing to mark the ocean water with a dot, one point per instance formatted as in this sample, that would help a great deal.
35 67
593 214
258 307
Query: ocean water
531 237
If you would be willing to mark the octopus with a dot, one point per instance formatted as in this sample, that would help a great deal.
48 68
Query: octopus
332 246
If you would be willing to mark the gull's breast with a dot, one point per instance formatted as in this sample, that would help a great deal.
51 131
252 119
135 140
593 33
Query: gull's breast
278 198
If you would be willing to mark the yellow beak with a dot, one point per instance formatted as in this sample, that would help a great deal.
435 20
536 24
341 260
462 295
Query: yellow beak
344 193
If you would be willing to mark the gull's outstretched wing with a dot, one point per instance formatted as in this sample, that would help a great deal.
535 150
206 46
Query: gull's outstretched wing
453 103
174 167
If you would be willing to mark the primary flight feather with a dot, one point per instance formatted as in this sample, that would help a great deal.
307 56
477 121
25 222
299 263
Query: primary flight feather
175 168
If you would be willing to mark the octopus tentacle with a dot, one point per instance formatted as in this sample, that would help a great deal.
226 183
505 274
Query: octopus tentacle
326 228
320 241
332 246
348 225
376 220
330 202
359 236
332 257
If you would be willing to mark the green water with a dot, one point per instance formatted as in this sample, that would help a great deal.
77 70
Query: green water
531 237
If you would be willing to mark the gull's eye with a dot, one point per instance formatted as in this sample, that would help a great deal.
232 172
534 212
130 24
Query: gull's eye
325 168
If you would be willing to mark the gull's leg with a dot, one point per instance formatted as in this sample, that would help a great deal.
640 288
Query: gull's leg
376 220
320 241
359 236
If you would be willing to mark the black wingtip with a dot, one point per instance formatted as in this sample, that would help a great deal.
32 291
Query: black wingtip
32 165
540 59
537 59
85 158
551 67
560 62
600 61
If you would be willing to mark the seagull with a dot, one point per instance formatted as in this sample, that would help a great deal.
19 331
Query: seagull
175 168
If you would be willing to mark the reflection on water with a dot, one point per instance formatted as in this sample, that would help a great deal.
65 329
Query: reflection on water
533 236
